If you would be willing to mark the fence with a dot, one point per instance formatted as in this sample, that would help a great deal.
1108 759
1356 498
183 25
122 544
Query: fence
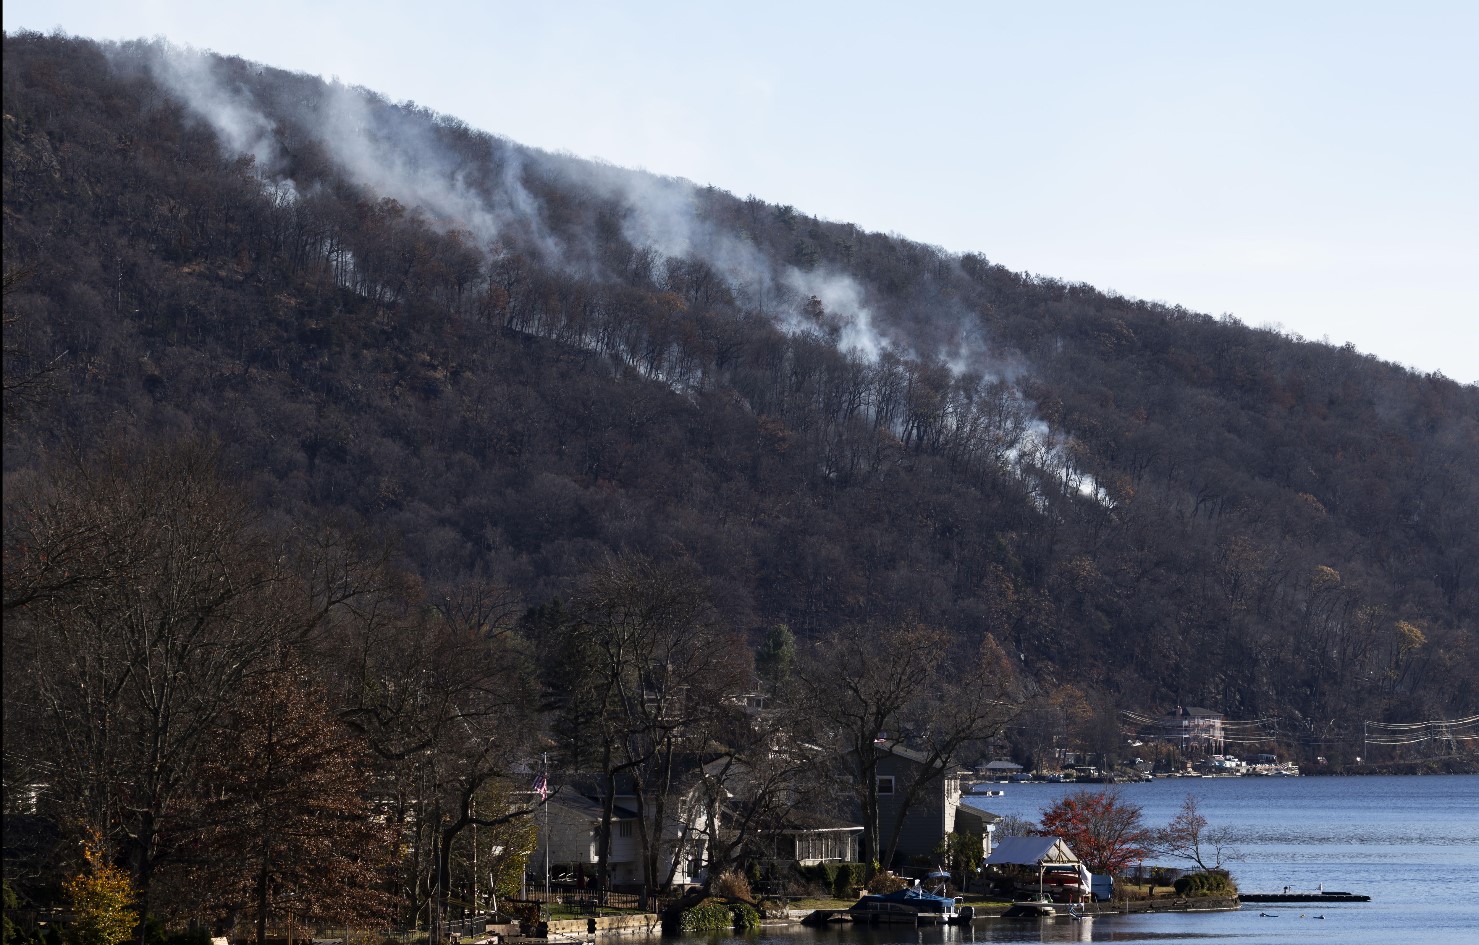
591 902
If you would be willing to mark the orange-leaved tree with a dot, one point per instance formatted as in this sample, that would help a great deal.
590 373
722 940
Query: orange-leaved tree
1102 828
102 899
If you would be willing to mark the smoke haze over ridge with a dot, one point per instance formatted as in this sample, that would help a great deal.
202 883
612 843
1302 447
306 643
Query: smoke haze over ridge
470 181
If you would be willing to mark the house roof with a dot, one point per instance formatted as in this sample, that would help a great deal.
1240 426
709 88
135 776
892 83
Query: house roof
1030 851
1195 712
898 748
981 814
802 821
590 807
1002 766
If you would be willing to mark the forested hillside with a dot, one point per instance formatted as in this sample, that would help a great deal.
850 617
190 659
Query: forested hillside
515 365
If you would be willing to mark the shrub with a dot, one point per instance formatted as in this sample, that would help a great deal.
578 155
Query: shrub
527 914
886 883
830 879
754 873
711 915
744 916
732 885
714 915
1212 883
843 881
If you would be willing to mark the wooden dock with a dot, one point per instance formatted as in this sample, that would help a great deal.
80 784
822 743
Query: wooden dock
826 917
1304 897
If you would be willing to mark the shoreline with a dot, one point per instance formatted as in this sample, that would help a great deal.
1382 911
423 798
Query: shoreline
1451 764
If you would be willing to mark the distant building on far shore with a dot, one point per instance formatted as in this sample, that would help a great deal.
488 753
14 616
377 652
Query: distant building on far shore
1194 729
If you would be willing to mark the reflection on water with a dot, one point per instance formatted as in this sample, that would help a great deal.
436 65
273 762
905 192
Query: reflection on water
989 930
1103 929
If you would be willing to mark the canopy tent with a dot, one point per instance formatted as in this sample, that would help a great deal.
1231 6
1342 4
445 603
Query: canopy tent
1030 851
1041 853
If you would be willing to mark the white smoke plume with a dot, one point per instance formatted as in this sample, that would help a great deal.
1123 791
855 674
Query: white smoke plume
390 152
232 112
400 152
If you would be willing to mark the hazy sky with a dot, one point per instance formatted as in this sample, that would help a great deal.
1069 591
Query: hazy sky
1312 165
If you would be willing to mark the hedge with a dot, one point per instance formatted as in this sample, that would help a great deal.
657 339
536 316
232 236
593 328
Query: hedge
840 878
1215 883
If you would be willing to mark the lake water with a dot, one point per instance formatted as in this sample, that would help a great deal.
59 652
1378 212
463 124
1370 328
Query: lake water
1410 843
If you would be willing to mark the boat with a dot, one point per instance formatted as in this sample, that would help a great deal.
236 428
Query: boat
1031 909
912 906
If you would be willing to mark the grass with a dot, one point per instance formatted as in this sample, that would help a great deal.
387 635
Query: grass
820 903
981 899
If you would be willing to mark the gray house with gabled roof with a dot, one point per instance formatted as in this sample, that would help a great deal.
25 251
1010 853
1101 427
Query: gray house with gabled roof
932 814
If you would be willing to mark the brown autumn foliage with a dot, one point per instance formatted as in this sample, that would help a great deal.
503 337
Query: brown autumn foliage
288 833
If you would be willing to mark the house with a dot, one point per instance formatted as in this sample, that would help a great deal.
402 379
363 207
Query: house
808 839
999 769
978 822
570 831
931 815
1194 728
570 836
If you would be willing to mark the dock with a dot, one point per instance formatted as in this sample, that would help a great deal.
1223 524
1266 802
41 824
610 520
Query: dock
1319 896
826 916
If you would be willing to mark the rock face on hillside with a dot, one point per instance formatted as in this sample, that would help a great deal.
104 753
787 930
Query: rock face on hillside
514 364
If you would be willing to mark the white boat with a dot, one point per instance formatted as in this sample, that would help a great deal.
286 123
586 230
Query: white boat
1031 909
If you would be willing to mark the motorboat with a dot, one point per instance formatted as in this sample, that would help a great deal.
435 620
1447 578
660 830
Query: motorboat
1031 909
911 906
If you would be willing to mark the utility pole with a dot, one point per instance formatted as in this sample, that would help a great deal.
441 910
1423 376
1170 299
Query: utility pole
544 780
473 803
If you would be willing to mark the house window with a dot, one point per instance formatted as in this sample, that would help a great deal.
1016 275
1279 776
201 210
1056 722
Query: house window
885 784
624 829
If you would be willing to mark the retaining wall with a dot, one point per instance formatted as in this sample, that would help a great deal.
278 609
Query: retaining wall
640 924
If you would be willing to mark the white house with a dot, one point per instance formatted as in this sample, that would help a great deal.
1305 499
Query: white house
570 830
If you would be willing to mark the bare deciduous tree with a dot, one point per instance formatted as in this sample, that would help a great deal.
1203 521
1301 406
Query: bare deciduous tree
140 599
660 672
1189 837
882 686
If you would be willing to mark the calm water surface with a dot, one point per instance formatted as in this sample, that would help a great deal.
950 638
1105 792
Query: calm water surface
1411 844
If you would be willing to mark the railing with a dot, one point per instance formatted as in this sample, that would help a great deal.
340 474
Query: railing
471 925
593 902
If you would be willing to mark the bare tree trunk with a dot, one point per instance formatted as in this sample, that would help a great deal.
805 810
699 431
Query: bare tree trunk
262 903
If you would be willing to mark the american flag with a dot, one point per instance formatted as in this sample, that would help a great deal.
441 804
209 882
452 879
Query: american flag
541 787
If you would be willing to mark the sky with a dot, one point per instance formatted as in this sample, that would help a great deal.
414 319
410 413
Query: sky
1312 166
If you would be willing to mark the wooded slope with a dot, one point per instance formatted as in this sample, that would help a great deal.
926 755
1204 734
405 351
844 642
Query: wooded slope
517 363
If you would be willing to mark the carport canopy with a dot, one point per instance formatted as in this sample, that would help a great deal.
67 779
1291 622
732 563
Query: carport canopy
1030 851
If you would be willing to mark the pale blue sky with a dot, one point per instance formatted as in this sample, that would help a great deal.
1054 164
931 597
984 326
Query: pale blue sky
1311 165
